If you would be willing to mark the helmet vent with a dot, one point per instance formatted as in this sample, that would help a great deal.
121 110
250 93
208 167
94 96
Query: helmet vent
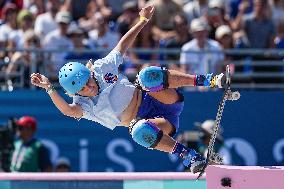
73 82
60 76
70 70
65 75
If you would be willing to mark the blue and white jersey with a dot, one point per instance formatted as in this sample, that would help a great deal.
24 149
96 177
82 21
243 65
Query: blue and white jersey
114 96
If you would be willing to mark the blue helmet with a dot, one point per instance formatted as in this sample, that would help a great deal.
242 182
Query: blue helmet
73 76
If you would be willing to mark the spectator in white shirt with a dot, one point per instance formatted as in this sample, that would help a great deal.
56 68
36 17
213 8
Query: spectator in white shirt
9 15
196 61
101 36
46 23
58 40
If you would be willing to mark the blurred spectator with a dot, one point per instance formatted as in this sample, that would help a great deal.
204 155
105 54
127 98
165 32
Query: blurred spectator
224 36
76 9
199 139
207 129
46 23
25 22
236 5
29 155
105 9
162 20
125 20
258 27
195 9
216 16
279 39
78 37
62 165
3 4
36 7
101 36
86 22
22 61
182 36
196 61
58 40
9 14
277 11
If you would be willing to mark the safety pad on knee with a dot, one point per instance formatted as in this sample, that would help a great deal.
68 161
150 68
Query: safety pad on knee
146 133
153 78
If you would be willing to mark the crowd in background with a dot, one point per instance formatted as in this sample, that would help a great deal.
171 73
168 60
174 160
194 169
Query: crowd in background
189 25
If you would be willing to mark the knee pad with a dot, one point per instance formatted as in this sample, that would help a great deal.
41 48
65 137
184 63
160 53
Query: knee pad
146 133
153 78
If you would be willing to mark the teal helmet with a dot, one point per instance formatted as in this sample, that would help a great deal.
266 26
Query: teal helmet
73 76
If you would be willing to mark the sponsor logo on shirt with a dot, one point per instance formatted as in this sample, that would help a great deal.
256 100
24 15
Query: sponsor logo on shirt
110 78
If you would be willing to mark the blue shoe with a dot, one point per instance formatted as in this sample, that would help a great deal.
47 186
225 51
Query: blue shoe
194 161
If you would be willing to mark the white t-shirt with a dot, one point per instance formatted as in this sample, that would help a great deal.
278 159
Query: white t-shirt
109 40
114 96
44 24
18 37
5 31
54 40
201 63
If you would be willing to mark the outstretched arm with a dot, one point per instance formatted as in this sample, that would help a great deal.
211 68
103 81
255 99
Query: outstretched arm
71 110
127 40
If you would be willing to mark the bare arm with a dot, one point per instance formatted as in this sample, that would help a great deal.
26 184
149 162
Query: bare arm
67 109
127 40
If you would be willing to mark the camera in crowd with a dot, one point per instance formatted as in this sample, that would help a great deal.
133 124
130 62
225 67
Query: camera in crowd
7 136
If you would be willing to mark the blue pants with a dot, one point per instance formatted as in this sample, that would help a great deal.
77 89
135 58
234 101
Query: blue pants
152 108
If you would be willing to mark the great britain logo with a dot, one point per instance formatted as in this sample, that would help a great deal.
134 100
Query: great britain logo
110 78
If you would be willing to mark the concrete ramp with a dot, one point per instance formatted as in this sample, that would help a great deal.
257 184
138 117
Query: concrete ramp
244 177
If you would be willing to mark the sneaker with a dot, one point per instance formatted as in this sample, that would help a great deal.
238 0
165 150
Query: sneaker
195 162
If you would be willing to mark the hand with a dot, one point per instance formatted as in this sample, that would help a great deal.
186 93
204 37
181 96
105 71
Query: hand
147 11
89 65
40 80
243 6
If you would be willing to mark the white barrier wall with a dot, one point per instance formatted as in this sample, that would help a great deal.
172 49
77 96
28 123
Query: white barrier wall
244 177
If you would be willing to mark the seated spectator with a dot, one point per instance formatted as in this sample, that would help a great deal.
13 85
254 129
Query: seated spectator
29 154
195 9
196 61
62 165
162 20
101 36
45 23
22 61
78 37
58 40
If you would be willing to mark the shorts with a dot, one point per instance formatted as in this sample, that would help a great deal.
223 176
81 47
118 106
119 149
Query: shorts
152 108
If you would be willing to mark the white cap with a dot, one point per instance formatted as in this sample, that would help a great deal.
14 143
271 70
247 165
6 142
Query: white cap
216 4
62 161
199 24
208 126
63 17
222 30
